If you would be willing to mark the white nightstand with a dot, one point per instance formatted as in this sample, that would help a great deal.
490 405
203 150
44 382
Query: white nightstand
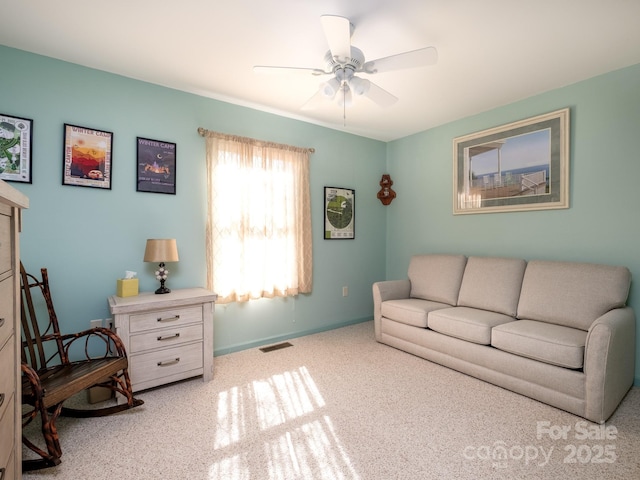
168 337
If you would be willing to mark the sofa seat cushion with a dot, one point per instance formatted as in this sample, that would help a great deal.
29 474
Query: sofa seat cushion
470 324
436 277
545 342
412 311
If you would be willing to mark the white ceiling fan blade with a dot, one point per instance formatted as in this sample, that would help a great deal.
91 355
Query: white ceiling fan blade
416 58
337 30
380 96
314 102
274 69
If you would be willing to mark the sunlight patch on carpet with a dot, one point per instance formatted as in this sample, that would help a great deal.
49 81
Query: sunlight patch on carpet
300 441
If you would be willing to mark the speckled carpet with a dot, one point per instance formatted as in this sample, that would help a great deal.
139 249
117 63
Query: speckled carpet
339 405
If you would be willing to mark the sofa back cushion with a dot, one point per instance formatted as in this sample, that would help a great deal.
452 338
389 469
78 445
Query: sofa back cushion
492 284
570 293
436 277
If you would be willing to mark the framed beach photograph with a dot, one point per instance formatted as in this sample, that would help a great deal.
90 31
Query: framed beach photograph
156 166
339 213
87 157
516 167
16 140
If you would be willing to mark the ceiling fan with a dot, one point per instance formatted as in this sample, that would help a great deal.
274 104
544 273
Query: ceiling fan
344 61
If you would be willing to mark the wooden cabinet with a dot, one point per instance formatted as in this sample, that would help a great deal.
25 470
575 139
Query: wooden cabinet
168 337
11 203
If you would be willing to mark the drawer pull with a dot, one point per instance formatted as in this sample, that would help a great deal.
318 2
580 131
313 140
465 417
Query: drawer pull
168 362
170 319
1 402
168 337
1 324
2 472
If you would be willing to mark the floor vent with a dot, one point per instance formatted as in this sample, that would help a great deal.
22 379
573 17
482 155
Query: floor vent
278 346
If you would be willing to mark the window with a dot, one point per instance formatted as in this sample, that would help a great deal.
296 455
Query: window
259 241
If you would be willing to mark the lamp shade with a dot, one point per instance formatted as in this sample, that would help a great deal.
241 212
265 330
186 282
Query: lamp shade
161 250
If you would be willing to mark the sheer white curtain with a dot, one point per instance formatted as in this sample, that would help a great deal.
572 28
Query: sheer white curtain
259 241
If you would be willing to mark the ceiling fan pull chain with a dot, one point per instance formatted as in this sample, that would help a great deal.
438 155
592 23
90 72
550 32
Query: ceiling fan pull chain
344 109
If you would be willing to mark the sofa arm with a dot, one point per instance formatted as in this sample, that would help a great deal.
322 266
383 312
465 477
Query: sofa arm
387 290
609 362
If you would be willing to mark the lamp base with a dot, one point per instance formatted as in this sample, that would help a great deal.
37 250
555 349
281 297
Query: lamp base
162 275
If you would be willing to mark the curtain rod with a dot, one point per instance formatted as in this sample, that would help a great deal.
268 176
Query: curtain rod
203 132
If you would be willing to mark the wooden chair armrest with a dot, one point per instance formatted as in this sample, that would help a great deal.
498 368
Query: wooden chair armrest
113 345
35 391
30 374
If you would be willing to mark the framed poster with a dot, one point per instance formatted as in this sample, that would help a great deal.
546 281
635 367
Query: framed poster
87 157
16 139
339 213
156 166
516 167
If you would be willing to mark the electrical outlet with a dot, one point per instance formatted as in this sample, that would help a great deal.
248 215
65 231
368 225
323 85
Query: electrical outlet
345 291
96 323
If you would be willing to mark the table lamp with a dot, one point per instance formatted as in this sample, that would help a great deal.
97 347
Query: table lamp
161 250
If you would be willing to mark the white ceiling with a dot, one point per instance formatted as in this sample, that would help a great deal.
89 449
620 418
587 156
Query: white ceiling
491 52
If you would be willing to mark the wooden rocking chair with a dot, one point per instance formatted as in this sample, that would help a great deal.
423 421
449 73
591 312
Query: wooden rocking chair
51 373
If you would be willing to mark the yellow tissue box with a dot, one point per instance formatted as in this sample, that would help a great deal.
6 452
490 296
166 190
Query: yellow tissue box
127 287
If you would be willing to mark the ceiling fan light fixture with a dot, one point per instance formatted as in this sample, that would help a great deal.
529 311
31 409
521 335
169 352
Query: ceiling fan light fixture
330 88
360 86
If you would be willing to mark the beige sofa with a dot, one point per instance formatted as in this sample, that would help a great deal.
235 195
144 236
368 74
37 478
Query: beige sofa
558 332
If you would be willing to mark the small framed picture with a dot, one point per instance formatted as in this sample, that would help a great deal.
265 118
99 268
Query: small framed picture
87 157
156 166
339 213
16 139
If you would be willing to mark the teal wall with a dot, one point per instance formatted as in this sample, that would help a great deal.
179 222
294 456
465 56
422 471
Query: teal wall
87 237
602 223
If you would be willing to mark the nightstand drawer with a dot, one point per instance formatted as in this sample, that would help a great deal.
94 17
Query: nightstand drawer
165 363
165 318
166 337
6 313
7 432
